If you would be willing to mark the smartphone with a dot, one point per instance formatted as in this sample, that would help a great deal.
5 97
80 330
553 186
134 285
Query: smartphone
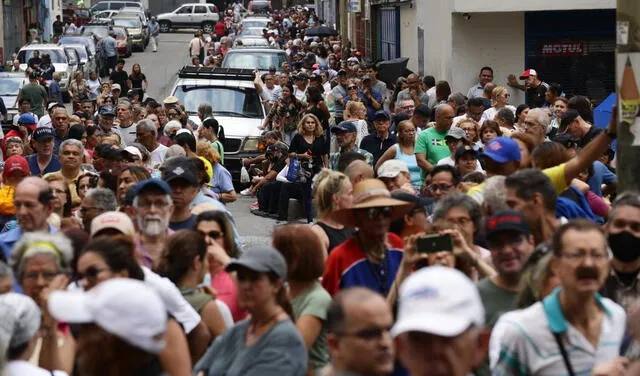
434 243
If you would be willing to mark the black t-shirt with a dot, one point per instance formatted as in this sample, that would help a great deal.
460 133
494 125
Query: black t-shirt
136 82
120 78
536 95
374 145
187 224
57 27
593 132
300 146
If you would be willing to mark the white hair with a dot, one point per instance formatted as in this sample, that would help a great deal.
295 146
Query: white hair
542 116
171 126
175 150
38 243
72 142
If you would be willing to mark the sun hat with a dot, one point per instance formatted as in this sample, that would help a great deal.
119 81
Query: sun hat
124 307
371 193
438 300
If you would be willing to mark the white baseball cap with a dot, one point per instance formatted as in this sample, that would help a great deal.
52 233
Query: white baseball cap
392 168
113 220
124 307
438 300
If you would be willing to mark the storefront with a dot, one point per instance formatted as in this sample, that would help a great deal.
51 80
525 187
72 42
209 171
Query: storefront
573 48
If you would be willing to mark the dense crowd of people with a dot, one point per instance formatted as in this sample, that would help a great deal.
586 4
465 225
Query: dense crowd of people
447 234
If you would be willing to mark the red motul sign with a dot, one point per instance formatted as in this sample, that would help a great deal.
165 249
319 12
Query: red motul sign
562 49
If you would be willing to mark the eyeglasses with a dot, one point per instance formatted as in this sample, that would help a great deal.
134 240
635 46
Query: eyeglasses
213 234
440 187
579 256
47 276
368 334
91 273
375 213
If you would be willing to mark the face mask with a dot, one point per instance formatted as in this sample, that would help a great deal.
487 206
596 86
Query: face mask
625 246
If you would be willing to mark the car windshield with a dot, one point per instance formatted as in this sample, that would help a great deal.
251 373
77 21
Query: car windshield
9 86
99 31
120 33
254 23
127 22
253 60
252 42
82 52
254 31
82 13
57 56
78 40
235 102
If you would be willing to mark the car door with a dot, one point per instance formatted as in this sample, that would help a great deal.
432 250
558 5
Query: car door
199 15
183 16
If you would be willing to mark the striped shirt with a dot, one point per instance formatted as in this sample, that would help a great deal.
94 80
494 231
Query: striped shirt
522 342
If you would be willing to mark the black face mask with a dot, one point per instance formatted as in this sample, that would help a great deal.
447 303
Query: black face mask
625 246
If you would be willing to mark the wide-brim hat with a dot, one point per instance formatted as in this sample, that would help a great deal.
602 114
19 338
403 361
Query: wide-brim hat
371 193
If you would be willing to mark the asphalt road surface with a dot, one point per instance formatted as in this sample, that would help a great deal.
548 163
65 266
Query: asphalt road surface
161 69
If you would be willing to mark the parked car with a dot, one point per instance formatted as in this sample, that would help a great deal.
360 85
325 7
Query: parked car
97 29
250 42
192 15
251 32
104 16
115 5
143 18
254 58
64 59
259 7
124 45
79 16
236 106
256 21
10 84
134 28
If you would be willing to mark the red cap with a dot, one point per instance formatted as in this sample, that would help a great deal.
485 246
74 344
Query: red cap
527 73
16 163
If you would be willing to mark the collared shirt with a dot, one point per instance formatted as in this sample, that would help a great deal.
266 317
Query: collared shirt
335 157
522 342
476 91
377 146
109 46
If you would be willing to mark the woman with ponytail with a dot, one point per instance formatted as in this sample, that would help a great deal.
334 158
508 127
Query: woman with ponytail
268 342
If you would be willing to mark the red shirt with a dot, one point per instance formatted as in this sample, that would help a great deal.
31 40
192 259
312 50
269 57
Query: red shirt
220 29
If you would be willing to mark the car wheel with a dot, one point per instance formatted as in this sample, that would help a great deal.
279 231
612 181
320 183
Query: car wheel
207 27
165 26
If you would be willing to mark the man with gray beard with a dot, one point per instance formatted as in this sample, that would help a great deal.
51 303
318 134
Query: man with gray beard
154 207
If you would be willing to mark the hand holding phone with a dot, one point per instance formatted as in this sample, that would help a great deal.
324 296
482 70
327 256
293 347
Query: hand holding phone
434 243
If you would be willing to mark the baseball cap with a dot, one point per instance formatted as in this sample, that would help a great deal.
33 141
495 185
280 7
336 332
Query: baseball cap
440 301
21 320
112 220
382 113
132 92
566 140
392 168
27 119
124 307
170 100
52 105
131 150
260 259
405 196
106 111
465 149
501 150
353 59
179 168
151 184
567 118
457 133
507 220
527 73
16 163
43 133
115 87
342 72
423 110
344 126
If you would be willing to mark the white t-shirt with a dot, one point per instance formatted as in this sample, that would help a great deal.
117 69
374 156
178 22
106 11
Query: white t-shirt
127 135
157 156
44 121
24 368
17 116
491 112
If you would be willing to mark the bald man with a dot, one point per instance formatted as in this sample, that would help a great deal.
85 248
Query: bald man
32 200
430 145
358 170
413 91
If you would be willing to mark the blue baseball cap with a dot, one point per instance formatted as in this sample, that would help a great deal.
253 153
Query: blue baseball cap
382 113
345 126
502 150
151 184
27 119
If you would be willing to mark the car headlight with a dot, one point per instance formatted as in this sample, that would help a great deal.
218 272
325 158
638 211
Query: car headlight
251 144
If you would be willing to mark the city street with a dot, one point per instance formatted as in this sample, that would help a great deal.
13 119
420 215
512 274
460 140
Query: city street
161 69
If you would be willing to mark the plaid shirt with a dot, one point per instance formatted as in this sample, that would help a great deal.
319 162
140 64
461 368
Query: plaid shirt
335 157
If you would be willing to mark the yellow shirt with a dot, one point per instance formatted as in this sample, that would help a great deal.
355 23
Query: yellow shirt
556 174
75 199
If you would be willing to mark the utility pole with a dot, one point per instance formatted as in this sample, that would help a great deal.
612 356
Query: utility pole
628 68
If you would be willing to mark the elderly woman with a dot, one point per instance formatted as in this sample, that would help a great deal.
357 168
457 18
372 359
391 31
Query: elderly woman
86 181
304 254
500 99
357 112
61 202
472 129
269 340
13 146
40 262
460 216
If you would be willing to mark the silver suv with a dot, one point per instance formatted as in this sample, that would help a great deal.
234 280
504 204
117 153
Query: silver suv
191 15
236 106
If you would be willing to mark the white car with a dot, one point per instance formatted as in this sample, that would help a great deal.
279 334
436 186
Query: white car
236 106
64 59
191 15
10 84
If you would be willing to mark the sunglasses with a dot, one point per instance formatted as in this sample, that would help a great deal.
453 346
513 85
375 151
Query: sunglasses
375 213
352 87
213 234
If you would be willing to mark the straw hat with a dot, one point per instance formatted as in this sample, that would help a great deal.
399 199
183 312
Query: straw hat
371 193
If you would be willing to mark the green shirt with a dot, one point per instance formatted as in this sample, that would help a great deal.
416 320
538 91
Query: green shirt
496 300
196 298
431 143
217 145
37 95
314 302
